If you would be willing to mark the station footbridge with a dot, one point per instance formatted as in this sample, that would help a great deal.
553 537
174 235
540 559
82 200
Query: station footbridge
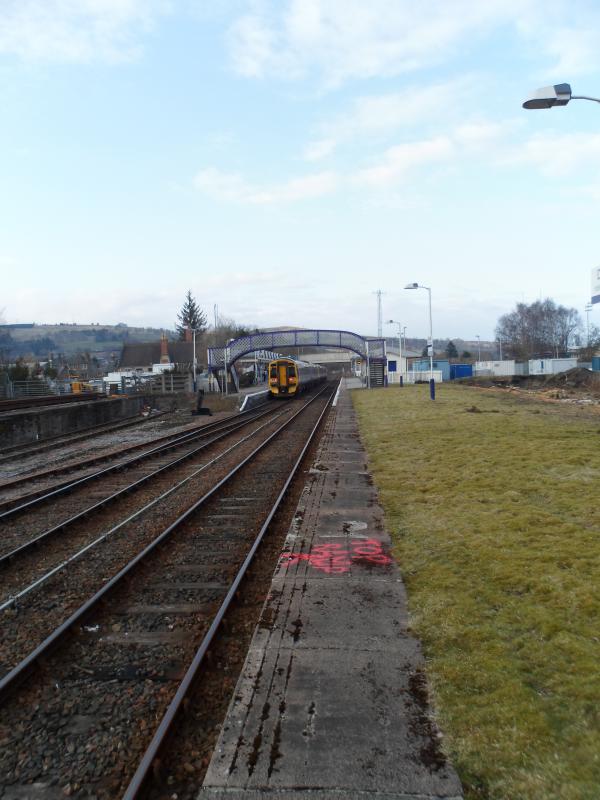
222 360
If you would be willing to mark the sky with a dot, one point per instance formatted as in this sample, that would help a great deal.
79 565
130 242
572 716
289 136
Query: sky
286 159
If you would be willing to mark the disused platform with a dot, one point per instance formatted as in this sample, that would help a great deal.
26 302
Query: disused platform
332 700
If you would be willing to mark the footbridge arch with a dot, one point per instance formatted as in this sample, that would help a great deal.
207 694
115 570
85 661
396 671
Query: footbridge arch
372 350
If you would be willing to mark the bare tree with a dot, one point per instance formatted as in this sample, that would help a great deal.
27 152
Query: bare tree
539 329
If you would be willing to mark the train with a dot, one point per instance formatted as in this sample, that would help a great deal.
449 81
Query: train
288 377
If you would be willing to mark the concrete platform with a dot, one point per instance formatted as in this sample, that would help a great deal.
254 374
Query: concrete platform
332 700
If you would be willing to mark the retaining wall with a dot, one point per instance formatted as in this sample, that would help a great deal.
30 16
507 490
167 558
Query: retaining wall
36 424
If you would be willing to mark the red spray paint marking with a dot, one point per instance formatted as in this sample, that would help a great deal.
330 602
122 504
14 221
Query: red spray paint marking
337 558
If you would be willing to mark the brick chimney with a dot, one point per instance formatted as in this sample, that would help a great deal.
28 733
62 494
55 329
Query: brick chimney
164 349
188 334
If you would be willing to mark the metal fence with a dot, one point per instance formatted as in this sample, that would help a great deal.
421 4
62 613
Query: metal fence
39 388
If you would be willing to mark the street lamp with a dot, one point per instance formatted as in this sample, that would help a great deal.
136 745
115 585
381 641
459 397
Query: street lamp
394 322
195 360
430 343
557 95
478 337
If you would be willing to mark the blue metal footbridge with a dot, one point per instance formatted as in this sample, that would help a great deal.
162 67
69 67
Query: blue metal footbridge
221 360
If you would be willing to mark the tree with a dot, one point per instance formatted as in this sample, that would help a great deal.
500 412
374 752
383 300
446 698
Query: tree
190 317
451 350
466 354
592 344
539 329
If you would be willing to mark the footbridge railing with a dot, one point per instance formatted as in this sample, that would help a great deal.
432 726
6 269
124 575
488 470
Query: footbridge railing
223 357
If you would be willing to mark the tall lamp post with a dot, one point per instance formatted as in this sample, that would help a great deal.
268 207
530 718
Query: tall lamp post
588 308
401 371
430 343
478 337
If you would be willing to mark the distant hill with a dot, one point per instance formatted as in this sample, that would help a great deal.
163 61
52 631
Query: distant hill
68 339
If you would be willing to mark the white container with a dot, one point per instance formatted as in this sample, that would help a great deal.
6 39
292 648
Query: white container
422 376
550 366
496 368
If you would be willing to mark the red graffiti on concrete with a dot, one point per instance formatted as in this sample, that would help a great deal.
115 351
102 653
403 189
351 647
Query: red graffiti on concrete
336 558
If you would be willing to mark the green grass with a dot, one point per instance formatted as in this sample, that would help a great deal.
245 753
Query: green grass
495 520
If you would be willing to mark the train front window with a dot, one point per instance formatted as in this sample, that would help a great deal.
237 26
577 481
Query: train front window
291 371
273 373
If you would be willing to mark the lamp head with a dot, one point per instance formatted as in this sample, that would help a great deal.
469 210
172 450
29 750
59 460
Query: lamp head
412 286
548 96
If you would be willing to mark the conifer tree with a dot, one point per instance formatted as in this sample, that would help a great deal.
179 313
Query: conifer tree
451 350
191 316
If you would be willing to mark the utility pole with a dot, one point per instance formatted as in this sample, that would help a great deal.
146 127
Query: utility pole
216 314
379 294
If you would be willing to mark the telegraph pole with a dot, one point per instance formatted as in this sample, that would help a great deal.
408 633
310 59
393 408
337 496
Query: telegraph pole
379 294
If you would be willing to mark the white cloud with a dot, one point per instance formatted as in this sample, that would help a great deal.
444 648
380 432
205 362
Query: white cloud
318 149
345 39
82 31
565 32
376 117
491 143
558 155
341 40
234 188
398 160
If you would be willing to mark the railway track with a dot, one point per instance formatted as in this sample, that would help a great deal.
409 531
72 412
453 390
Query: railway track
159 445
80 712
21 451
108 529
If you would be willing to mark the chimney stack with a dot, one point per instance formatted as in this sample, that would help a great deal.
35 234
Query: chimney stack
164 349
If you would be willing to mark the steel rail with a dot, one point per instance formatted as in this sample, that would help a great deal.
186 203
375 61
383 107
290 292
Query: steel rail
137 783
61 526
9 681
14 599
70 467
36 498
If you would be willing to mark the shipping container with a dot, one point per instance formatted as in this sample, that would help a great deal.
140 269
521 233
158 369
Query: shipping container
550 366
596 363
460 371
439 364
496 368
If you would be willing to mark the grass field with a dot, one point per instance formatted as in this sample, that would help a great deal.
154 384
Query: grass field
493 505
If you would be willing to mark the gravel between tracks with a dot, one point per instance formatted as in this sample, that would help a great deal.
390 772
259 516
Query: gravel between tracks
112 444
82 723
40 612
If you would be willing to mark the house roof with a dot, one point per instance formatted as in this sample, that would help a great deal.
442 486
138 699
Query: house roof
144 354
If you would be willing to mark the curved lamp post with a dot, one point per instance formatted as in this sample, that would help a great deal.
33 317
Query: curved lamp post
430 343
558 95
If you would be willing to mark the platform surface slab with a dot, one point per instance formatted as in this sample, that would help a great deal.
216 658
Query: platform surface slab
332 700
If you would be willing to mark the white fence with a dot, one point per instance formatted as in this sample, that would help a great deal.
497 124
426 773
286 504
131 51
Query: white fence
419 376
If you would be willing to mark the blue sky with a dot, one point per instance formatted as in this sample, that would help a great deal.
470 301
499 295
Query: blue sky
286 159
